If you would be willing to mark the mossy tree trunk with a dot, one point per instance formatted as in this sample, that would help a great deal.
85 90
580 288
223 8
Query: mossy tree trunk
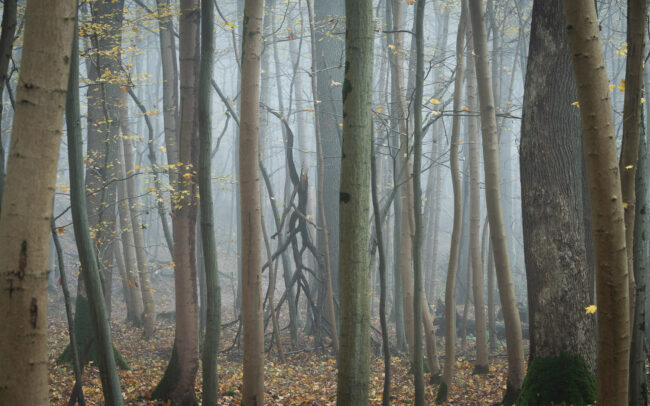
555 244
606 201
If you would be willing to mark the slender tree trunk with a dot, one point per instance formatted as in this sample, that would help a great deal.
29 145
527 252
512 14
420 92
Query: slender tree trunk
636 21
493 203
450 285
146 289
177 384
382 278
418 296
354 206
209 244
251 226
27 206
638 379
480 328
128 246
606 202
89 267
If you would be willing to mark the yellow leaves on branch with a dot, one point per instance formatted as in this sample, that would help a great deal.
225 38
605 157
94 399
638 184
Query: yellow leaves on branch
590 309
434 101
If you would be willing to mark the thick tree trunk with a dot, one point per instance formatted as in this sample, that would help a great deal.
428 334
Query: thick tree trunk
27 206
493 203
606 202
354 206
251 220
557 270
177 384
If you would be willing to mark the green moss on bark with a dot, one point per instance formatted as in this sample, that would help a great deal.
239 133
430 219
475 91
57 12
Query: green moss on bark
565 379
83 331
442 393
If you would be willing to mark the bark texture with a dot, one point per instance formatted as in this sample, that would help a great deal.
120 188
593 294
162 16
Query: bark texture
354 206
27 206
607 214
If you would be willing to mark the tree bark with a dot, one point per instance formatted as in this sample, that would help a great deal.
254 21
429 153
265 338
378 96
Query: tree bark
450 284
177 384
251 220
354 206
27 206
209 244
9 12
493 203
476 254
557 270
606 202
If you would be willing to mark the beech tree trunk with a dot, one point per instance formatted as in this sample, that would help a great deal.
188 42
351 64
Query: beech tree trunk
450 284
251 220
354 206
177 384
493 203
481 363
606 202
27 206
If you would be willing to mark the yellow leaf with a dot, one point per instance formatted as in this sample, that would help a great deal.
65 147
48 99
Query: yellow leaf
621 87
590 309
60 230
465 108
137 167
187 175
434 101
611 87
576 103
163 149
625 205
629 167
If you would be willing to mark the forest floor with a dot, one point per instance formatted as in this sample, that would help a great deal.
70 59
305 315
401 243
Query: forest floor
307 378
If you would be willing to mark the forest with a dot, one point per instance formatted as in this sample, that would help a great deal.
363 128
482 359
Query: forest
320 202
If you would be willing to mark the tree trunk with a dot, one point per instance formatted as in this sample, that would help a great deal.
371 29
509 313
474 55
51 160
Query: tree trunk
251 220
103 345
557 270
209 244
638 379
493 203
481 363
418 296
450 285
177 384
606 202
636 20
354 206
27 206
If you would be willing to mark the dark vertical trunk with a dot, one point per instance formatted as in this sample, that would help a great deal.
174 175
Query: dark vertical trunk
557 270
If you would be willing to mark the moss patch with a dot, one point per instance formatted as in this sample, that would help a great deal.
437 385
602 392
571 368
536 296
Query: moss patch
442 393
564 379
